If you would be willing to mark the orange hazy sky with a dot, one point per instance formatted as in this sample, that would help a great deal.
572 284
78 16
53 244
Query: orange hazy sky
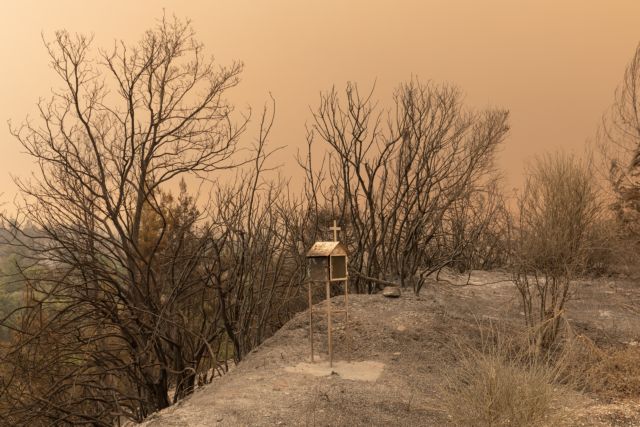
553 64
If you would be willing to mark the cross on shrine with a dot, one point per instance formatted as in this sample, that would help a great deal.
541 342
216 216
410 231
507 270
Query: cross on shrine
335 230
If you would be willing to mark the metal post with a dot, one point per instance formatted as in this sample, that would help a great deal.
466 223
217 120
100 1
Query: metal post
310 320
329 326
346 317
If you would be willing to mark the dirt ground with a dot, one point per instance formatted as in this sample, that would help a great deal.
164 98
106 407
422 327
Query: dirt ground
398 349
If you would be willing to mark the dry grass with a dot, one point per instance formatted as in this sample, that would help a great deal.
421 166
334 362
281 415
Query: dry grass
499 385
617 374
612 373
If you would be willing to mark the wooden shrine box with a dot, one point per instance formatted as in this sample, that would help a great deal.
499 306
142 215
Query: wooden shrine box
327 262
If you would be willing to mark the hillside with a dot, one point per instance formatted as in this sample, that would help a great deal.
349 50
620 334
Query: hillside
401 349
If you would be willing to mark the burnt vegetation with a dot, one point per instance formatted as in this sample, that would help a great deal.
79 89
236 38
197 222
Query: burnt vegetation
122 297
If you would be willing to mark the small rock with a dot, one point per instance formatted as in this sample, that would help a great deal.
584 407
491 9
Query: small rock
391 292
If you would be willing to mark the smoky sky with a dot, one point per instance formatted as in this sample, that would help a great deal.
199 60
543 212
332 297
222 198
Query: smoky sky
553 64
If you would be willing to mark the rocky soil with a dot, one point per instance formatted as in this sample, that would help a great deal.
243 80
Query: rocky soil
389 367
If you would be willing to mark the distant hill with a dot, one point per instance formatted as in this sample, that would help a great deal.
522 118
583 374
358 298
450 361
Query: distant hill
11 289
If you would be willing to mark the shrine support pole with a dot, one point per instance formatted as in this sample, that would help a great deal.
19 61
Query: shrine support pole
310 319
346 317
329 325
